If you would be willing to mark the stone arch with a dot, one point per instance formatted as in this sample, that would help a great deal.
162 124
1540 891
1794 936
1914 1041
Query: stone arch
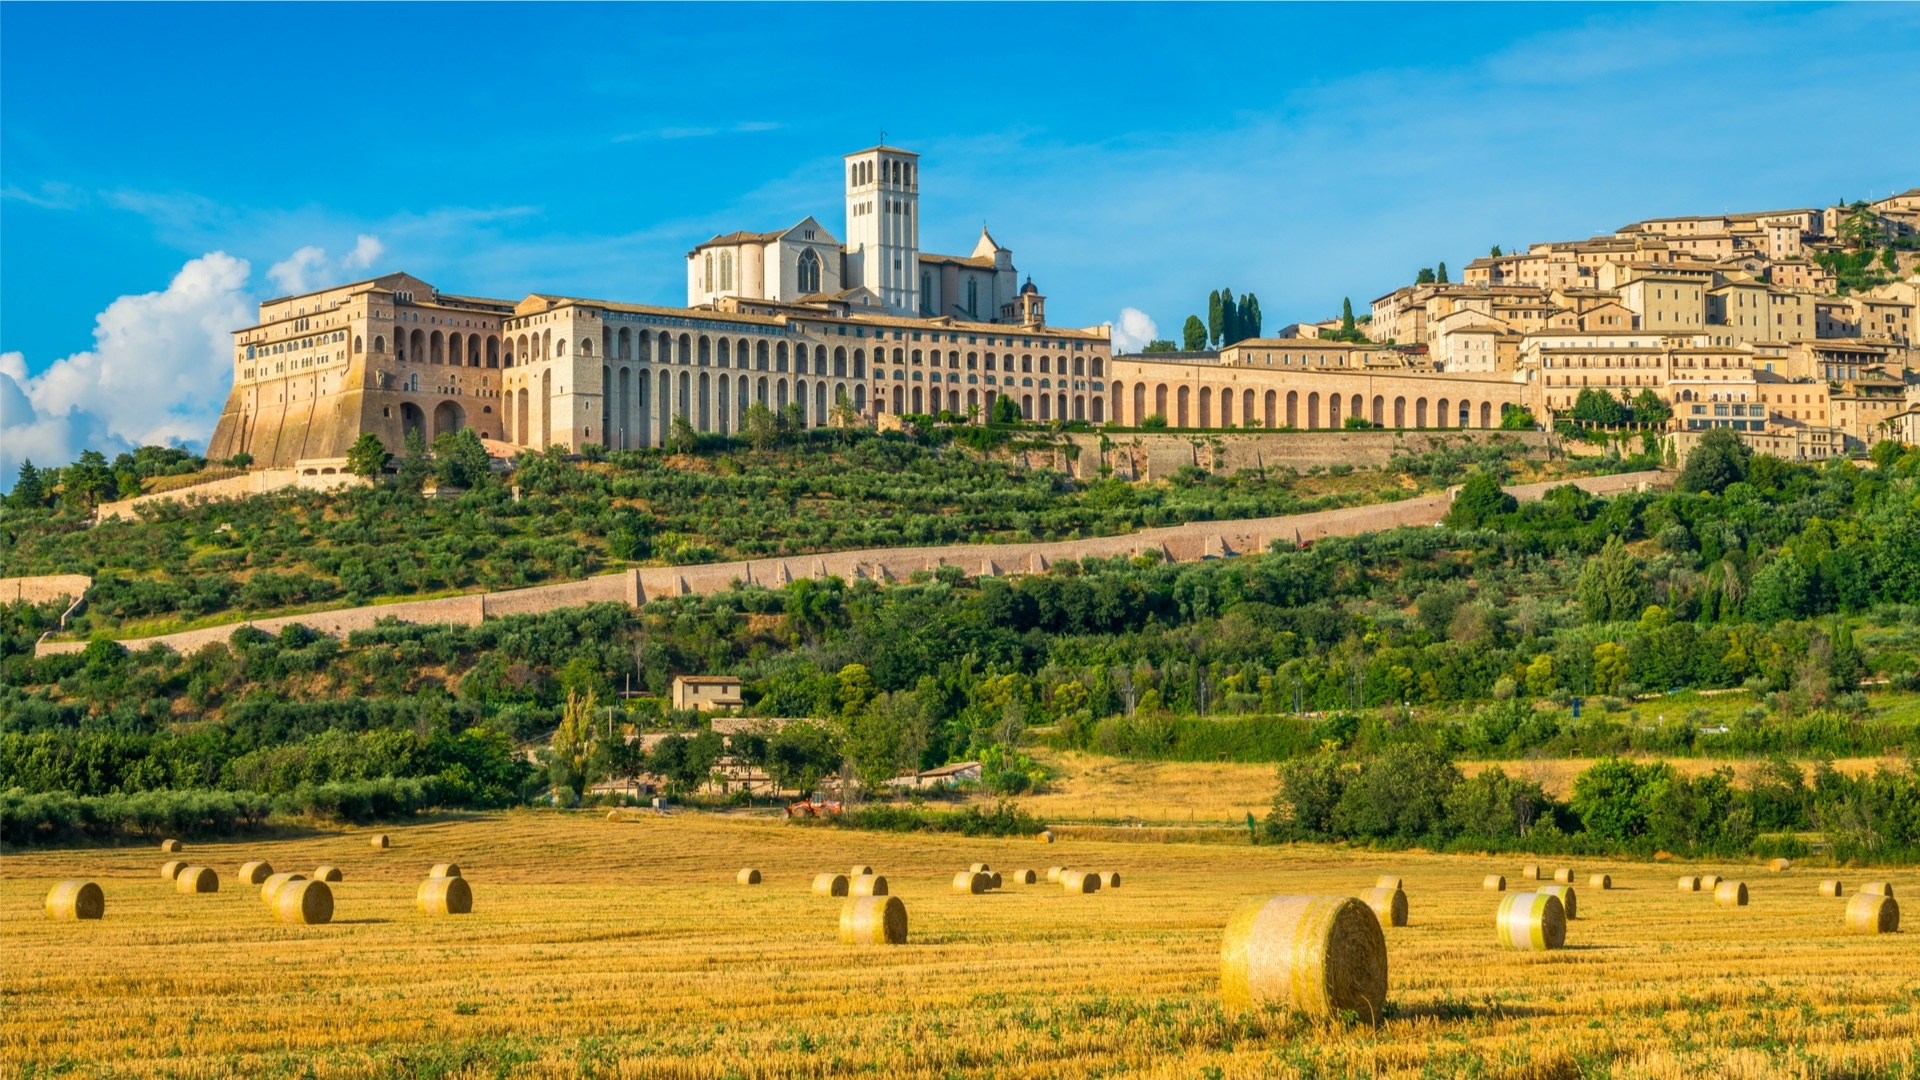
412 420
1206 406
1420 412
1354 406
1440 413
723 404
703 417
780 357
1400 412
860 362
723 356
1313 410
448 417
1098 365
520 418
546 408
356 344
417 345
1466 414
493 350
1139 403
1293 408
1486 414
686 348
1379 411
840 361
436 348
1099 406
1180 405
1026 406
1160 402
1079 405
1269 410
899 399
1226 408
705 357
379 343
623 344
1333 410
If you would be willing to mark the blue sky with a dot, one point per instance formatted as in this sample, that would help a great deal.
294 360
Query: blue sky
1132 156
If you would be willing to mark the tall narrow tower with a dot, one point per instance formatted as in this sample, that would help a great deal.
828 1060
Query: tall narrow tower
883 225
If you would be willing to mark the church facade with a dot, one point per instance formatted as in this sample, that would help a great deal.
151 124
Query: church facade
843 332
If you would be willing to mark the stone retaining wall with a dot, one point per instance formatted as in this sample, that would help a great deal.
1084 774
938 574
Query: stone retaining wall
45 589
1177 543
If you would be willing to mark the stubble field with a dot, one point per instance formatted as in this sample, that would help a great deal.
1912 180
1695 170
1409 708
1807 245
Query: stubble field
614 949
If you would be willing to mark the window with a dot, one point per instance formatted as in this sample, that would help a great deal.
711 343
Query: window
809 273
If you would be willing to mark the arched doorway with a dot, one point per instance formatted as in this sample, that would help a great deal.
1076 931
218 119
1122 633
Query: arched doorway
448 417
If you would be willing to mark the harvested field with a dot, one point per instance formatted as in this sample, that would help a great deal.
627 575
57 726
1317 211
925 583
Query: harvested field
538 981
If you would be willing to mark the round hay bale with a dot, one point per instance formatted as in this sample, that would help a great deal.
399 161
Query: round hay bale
255 872
445 869
273 883
1110 879
1780 866
1832 887
379 840
197 879
1569 903
971 882
1689 884
1389 905
873 920
1878 888
748 876
1320 955
1387 881
1530 872
860 870
444 896
1709 882
829 884
327 873
1494 883
1045 837
1601 881
869 885
1025 877
1531 922
613 815
1730 894
1872 913
307 903
169 846
1079 881
1053 874
73 900
980 868
993 880
170 869
1563 876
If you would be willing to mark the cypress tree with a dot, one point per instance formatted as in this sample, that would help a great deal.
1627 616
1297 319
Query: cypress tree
1346 316
1194 334
1440 275
28 491
1215 327
1229 319
1252 323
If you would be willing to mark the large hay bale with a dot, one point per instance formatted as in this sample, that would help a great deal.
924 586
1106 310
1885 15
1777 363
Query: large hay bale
255 872
1530 872
197 879
327 873
1110 879
1601 881
1320 955
1025 877
1388 881
971 882
859 870
1730 894
1569 903
170 870
1709 882
169 846
829 884
1053 874
980 868
1563 876
1494 883
273 883
444 896
1045 836
1872 913
993 879
445 869
1832 887
1079 881
1389 905
1689 884
873 920
1531 922
869 885
73 900
1780 866
307 903
748 876
1878 888
379 840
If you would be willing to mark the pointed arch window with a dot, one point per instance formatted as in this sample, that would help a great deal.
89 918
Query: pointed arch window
809 275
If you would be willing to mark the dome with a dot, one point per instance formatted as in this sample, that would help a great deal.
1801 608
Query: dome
1028 289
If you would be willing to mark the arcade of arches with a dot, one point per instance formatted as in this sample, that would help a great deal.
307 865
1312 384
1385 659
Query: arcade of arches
1209 396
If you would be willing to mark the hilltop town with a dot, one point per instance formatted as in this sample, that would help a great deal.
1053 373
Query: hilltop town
1792 328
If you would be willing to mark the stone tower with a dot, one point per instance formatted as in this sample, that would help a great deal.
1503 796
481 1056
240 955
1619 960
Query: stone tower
883 226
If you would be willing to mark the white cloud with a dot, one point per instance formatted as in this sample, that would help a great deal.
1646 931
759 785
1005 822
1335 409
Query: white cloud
159 372
1134 330
309 268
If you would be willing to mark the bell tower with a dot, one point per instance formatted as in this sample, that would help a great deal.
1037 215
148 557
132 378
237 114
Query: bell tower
883 225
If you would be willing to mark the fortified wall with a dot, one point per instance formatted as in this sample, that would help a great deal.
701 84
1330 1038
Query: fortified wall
1178 543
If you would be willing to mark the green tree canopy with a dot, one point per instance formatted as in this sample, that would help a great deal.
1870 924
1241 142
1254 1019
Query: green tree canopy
1610 587
367 456
1718 459
1194 334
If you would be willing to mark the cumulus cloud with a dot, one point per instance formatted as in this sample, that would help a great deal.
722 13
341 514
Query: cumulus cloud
309 268
1134 330
158 372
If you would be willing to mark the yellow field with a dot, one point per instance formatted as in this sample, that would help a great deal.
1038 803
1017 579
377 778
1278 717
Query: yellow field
601 948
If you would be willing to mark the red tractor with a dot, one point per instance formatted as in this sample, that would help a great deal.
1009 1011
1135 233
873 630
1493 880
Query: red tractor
812 809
